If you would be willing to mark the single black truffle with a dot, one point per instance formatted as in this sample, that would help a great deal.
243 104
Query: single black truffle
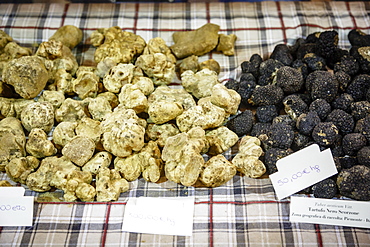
327 44
300 141
360 109
283 54
232 84
280 135
289 79
353 142
266 95
322 85
343 102
343 120
266 113
363 156
358 87
307 122
285 119
241 124
321 107
301 67
326 188
252 66
354 182
325 133
246 87
358 38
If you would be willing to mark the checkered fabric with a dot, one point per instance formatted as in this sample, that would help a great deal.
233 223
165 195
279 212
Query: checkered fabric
244 211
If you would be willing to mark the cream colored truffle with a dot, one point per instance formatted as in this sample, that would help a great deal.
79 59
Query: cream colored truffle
123 132
183 158
77 186
147 163
220 140
118 76
79 150
120 46
38 144
157 67
64 132
90 128
56 98
27 75
160 132
228 99
206 115
247 159
10 51
199 84
145 84
69 35
179 95
86 83
162 111
226 44
38 115
109 185
18 169
70 110
131 97
99 160
211 64
99 107
217 171
12 139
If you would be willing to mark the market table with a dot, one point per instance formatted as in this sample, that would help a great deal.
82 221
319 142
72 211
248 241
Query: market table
242 212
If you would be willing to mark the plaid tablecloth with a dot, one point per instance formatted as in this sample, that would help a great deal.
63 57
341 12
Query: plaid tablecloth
243 212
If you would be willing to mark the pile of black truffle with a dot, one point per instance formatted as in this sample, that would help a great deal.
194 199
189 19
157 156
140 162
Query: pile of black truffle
312 92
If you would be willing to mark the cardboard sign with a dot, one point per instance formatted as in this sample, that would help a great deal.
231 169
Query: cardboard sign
301 170
167 216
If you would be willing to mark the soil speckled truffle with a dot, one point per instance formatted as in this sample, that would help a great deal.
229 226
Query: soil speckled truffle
354 182
325 133
326 188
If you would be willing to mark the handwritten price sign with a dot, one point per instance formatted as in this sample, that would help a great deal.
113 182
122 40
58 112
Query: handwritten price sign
302 169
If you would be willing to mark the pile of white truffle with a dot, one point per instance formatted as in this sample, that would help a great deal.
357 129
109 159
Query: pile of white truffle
89 131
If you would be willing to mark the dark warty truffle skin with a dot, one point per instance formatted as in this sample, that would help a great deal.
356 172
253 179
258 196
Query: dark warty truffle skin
266 95
322 85
354 182
325 133
241 124
326 188
353 142
321 107
307 122
343 120
289 79
363 156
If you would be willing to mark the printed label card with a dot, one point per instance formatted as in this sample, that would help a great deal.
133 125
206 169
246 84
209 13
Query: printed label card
330 212
301 170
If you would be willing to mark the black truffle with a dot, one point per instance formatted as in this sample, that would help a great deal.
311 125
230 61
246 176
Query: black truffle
307 122
322 85
353 142
347 64
358 38
289 79
266 95
327 44
354 182
360 109
283 54
326 188
252 66
363 156
343 120
325 133
266 113
280 135
321 107
241 124
358 87
260 129
343 79
343 102
314 62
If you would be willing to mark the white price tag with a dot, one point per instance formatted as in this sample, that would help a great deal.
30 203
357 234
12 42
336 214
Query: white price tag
301 170
16 210
330 212
12 191
167 216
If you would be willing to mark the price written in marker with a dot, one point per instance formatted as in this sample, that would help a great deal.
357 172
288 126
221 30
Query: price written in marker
301 170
